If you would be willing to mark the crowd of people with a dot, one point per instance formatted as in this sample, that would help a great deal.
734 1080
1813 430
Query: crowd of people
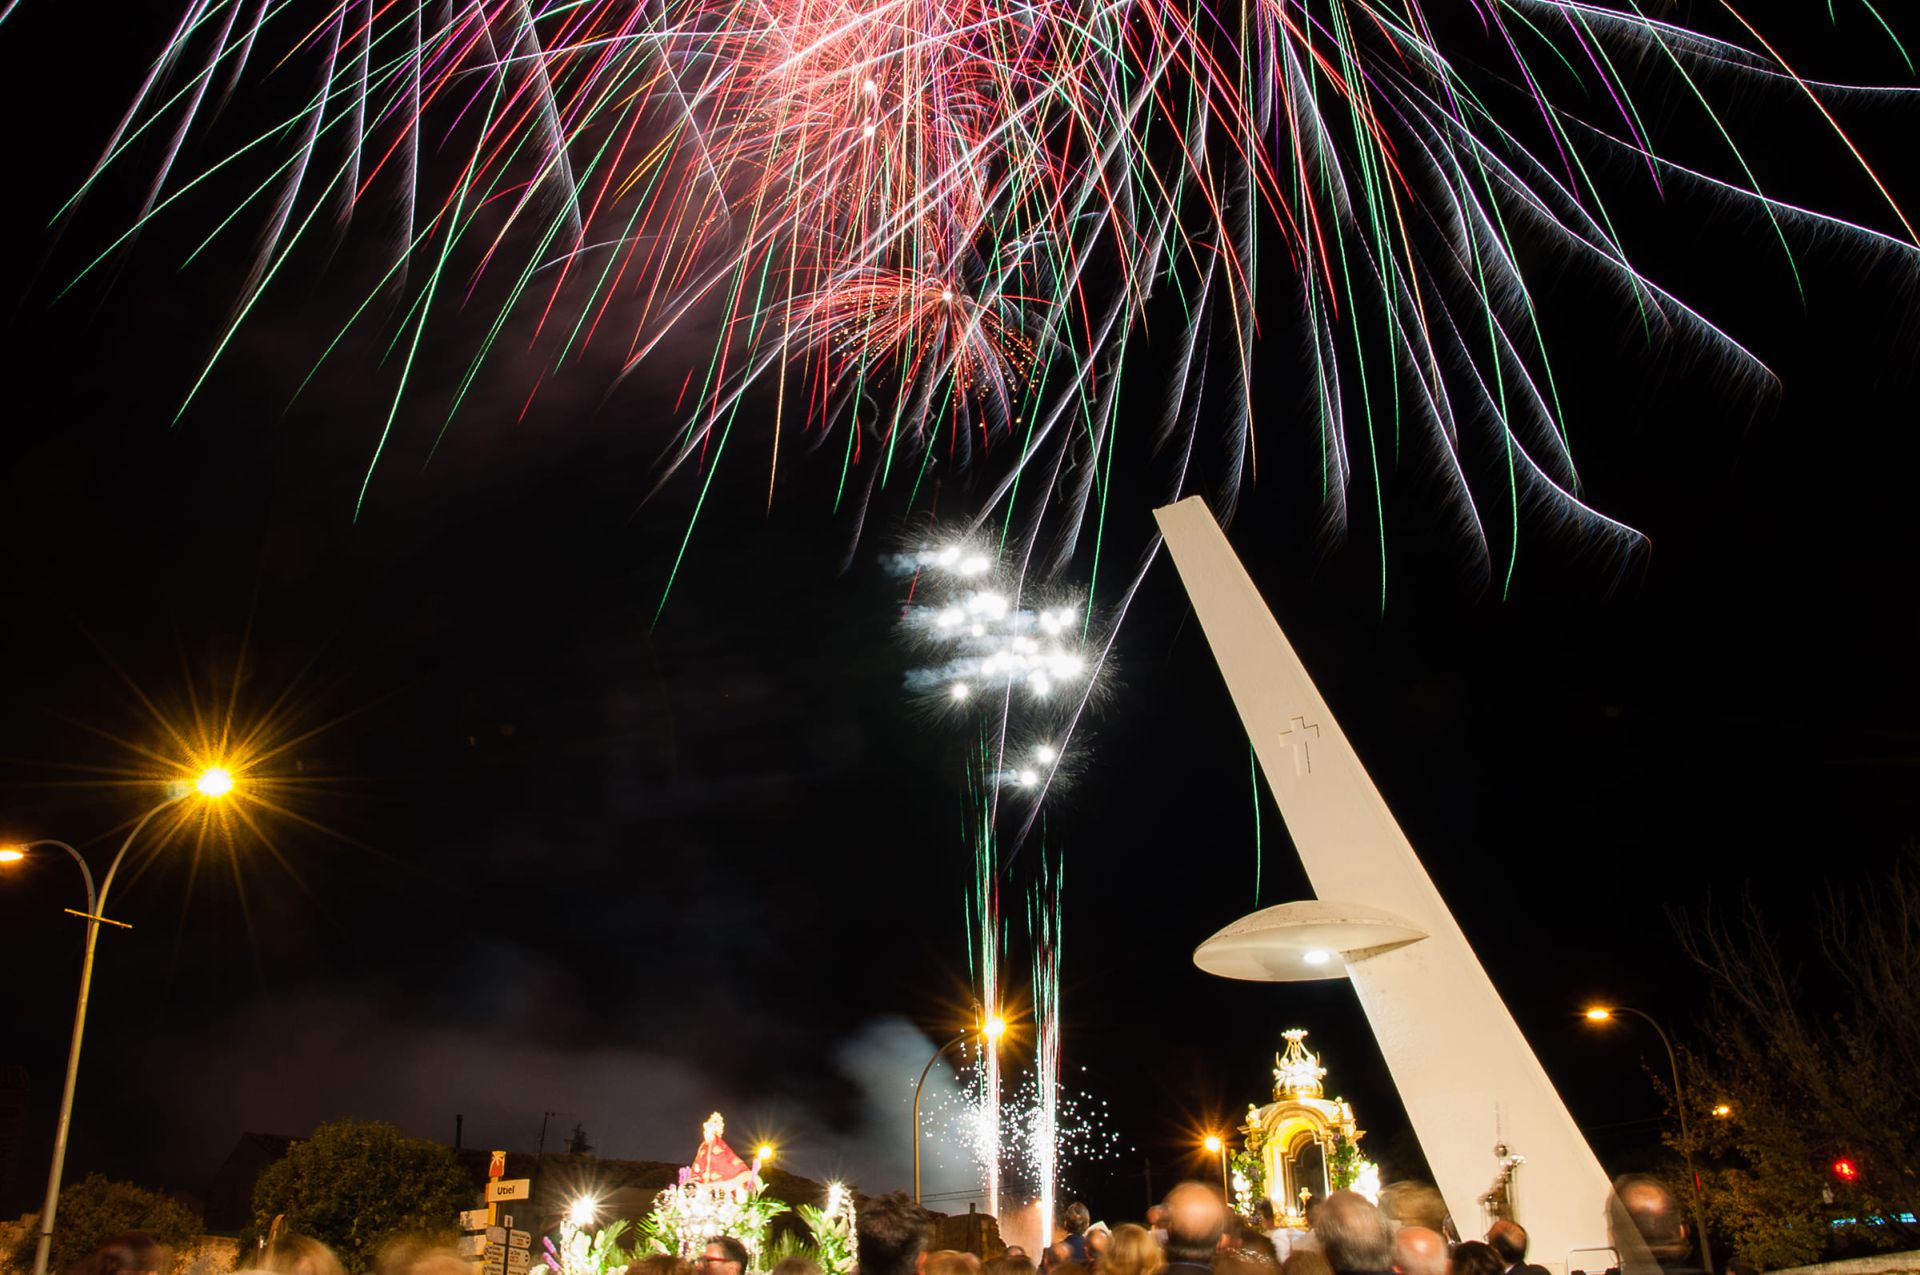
1191 1232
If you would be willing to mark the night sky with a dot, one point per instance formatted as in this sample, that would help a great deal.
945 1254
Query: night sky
572 860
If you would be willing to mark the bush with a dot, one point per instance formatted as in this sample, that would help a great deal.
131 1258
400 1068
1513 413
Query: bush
356 1184
95 1209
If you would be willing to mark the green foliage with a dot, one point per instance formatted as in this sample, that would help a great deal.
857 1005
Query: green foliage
832 1228
357 1184
1248 1163
95 1209
683 1218
1343 1162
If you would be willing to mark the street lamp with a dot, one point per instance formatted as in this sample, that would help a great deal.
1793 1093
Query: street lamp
1216 1145
214 782
1602 1014
993 1027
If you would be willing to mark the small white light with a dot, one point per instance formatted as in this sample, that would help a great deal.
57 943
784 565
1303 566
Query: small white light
977 564
869 87
1316 956
1040 685
949 556
1028 779
1044 755
946 294
869 130
961 690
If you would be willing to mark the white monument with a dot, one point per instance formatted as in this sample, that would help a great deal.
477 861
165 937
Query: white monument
1483 1109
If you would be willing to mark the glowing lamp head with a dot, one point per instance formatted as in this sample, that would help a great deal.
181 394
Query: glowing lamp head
961 690
1722 1110
214 781
11 854
1213 1143
764 1153
1845 1170
995 1028
581 1212
1599 1014
1318 956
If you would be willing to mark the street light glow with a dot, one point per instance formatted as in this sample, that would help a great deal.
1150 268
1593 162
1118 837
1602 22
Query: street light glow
765 1153
214 781
1722 1110
1599 1014
11 854
996 1027
1213 1144
581 1212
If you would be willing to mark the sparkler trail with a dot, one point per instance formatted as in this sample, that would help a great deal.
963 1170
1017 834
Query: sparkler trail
942 228
1043 925
984 949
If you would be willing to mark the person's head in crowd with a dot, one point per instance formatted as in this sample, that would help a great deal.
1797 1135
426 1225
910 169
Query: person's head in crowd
1132 1250
1353 1234
419 1255
1508 1240
1253 1241
1157 1222
950 1261
128 1253
1012 1262
723 1255
1475 1258
797 1265
1076 1218
1410 1203
1306 1261
1099 1239
1196 1219
291 1254
1644 1203
1263 1215
1419 1250
891 1235
670 1264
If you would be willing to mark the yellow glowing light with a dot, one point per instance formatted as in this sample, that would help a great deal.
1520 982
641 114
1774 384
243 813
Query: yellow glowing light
1213 1143
1723 1111
11 854
1599 1015
996 1027
765 1152
214 781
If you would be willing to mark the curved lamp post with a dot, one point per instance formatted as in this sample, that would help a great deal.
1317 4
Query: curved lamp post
993 1028
213 783
1605 1013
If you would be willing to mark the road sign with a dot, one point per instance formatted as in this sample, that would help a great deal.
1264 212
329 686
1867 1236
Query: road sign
496 1235
472 1245
509 1189
518 1260
519 1239
473 1219
497 1166
494 1254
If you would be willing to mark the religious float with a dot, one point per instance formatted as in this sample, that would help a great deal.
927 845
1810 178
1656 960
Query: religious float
718 1194
1303 1145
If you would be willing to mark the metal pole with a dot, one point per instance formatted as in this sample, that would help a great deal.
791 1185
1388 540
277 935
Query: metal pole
940 1053
1686 1141
95 905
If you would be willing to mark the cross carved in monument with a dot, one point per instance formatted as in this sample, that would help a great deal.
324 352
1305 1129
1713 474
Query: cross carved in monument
1296 737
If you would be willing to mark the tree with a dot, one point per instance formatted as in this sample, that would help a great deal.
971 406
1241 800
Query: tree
1812 1077
96 1209
357 1184
577 1143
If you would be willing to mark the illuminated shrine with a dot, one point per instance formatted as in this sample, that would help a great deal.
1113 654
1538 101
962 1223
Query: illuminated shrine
1305 1142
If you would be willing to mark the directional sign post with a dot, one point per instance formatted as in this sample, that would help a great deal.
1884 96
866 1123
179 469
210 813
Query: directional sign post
503 1189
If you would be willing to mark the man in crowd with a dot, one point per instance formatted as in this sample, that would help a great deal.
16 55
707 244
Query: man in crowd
1075 1220
890 1237
1195 1220
1419 1250
1509 1240
1353 1235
